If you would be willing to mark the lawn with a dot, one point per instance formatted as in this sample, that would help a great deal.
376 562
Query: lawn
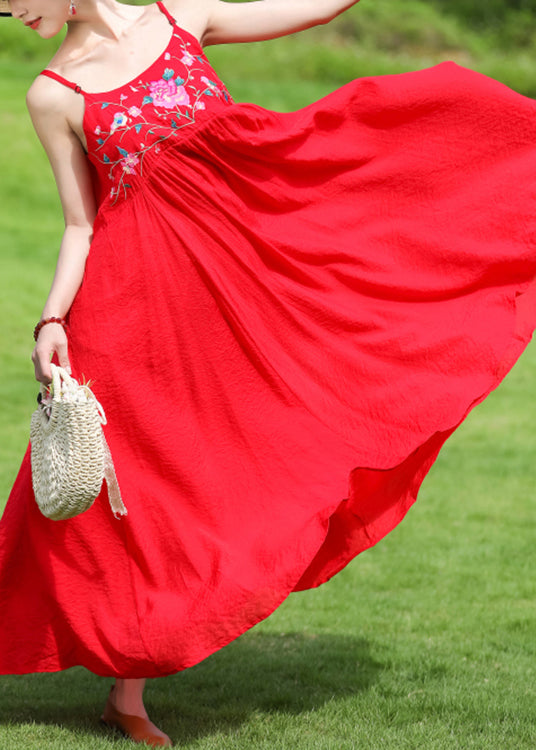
426 641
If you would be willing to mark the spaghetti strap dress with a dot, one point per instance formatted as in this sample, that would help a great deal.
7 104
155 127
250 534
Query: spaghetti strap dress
284 316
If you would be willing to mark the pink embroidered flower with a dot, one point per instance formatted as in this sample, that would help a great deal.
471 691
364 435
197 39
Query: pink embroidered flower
167 94
200 105
187 58
209 84
134 111
97 130
129 162
167 56
120 120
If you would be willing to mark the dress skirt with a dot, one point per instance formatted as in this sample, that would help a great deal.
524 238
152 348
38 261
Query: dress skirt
284 322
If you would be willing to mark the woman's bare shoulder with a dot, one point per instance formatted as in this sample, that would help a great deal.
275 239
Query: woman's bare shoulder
55 111
192 15
45 95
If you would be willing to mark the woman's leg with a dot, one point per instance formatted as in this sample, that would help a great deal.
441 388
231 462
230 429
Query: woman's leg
128 697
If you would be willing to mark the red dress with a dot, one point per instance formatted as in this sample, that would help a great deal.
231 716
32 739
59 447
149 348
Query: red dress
284 317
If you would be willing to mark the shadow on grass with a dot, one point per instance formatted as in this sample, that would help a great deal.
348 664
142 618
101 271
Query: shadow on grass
286 673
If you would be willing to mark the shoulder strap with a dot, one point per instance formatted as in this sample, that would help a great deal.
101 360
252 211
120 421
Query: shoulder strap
50 74
166 12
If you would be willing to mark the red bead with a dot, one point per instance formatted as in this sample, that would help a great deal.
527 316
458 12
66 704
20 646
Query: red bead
45 322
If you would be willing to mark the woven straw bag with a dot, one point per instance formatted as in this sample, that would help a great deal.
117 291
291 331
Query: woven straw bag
70 456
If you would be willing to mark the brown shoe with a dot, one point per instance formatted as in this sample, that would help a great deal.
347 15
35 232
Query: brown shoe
134 728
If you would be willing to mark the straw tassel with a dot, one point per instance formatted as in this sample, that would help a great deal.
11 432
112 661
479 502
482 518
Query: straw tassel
114 493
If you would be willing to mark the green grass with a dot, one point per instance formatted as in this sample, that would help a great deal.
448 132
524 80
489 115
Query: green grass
426 641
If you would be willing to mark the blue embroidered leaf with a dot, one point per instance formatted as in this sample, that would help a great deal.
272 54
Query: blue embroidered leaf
137 127
127 185
100 141
147 100
106 159
150 132
208 92
122 151
105 104
174 124
168 73
179 81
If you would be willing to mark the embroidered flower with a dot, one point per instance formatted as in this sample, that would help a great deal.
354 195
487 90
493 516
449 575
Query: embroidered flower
134 111
210 84
129 162
167 94
120 120
187 58
200 105
97 130
167 56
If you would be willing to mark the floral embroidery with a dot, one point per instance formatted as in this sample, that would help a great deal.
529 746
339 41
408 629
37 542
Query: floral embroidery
187 59
129 162
210 84
166 93
155 110
120 120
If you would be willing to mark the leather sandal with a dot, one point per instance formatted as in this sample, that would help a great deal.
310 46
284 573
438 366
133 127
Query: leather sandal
135 728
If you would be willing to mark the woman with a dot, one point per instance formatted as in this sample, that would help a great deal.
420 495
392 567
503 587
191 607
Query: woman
284 316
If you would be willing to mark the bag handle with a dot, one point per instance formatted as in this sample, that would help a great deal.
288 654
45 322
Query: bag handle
59 376
61 380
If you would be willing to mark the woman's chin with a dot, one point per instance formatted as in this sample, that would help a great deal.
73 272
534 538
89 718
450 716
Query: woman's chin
48 33
48 29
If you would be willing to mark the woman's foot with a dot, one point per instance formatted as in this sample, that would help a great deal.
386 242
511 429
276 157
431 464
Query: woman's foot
137 728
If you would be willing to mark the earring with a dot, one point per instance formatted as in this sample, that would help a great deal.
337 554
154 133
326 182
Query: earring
72 8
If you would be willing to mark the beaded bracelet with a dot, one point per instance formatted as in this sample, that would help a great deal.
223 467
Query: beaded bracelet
45 322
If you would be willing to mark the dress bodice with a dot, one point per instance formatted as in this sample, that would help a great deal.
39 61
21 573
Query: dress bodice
127 127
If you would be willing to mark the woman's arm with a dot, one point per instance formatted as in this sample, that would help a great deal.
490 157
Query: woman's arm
266 19
49 107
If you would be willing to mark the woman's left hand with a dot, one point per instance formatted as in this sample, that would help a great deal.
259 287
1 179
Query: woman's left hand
52 340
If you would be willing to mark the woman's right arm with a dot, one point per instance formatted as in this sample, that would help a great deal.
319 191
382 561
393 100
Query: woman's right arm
50 107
